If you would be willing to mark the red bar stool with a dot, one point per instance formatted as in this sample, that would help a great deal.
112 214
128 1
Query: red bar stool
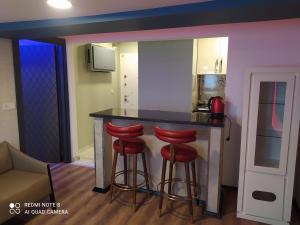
128 143
177 152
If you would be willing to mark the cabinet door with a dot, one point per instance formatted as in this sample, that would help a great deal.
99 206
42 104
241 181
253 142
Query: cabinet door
208 53
264 195
270 111
223 52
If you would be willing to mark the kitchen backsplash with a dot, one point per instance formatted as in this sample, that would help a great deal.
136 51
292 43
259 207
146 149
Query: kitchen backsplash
206 86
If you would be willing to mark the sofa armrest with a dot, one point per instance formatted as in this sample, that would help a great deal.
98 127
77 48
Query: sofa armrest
24 162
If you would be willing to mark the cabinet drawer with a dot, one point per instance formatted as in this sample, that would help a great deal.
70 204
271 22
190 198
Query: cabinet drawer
264 195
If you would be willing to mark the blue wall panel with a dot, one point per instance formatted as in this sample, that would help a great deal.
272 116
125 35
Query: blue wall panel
40 103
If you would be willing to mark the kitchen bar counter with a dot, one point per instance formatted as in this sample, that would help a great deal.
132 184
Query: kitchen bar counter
209 145
195 118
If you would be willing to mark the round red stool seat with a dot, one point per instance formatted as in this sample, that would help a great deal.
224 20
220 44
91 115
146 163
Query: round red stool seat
183 153
131 146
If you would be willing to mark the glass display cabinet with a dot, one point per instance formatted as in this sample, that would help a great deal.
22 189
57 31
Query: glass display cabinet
270 129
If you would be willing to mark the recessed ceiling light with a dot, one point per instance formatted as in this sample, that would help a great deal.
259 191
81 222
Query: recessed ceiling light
60 4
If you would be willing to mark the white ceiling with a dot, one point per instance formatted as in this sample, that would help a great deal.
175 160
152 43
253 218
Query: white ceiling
21 10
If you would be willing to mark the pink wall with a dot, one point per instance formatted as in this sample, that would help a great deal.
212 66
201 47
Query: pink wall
297 176
271 43
262 44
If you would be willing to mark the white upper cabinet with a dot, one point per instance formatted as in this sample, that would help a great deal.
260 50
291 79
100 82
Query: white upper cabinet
211 57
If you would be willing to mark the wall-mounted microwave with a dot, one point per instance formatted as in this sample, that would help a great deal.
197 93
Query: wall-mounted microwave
100 58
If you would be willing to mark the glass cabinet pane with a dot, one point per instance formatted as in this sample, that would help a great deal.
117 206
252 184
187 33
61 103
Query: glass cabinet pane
269 123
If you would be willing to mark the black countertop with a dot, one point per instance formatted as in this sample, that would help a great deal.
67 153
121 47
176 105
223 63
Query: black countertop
195 118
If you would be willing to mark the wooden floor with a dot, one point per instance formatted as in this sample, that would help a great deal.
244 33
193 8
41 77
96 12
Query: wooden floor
73 188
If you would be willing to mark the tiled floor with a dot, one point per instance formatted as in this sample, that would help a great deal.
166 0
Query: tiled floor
87 154
86 158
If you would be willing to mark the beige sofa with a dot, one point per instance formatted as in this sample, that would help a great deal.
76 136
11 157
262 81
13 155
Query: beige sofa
22 180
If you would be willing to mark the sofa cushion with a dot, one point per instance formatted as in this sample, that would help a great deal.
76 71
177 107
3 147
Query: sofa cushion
5 159
19 187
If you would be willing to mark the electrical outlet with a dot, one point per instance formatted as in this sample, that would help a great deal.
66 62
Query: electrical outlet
8 106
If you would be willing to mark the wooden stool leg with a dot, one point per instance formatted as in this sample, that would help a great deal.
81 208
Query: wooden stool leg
113 171
134 176
170 178
125 170
145 171
162 185
195 182
189 192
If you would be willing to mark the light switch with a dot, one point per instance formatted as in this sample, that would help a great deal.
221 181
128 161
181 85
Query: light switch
8 106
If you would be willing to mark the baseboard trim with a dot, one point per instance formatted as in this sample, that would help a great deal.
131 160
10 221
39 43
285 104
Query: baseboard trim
296 205
231 187
219 214
212 214
101 190
75 158
261 219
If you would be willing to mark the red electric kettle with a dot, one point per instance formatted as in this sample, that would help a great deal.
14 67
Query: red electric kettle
216 106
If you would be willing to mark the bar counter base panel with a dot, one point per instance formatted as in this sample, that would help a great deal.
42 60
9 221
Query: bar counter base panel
212 129
101 190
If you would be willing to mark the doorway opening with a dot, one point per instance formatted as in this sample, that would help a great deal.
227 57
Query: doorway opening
100 90
42 99
209 71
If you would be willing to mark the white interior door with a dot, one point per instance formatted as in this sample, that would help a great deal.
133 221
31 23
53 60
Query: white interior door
129 80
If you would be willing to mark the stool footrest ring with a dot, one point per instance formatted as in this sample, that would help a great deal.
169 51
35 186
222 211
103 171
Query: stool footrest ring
175 197
125 187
